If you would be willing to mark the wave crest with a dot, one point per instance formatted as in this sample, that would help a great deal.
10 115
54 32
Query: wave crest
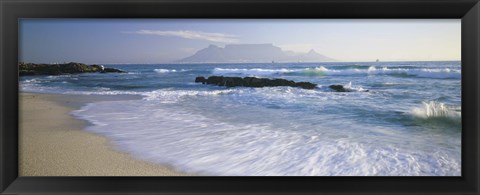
160 70
434 109
440 73
252 71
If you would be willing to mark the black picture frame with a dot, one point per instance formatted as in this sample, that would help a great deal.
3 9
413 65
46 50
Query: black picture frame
467 10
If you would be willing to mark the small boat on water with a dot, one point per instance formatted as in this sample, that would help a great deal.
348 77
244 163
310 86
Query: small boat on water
377 60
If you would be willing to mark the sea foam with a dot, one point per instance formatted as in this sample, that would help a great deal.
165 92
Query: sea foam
191 141
434 109
253 71
322 71
216 130
160 70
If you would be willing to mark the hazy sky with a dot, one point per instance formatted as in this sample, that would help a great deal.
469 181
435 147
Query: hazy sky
162 40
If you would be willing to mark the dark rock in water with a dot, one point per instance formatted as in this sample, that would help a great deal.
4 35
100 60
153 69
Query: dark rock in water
252 82
59 69
234 81
306 85
256 82
200 80
215 80
339 88
97 67
113 70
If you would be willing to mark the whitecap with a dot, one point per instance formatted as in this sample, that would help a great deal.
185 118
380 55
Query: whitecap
160 70
253 71
445 73
434 109
164 70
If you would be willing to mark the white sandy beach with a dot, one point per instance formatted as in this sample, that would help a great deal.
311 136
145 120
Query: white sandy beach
53 143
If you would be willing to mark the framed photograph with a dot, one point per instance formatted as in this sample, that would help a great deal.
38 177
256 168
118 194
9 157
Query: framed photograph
338 97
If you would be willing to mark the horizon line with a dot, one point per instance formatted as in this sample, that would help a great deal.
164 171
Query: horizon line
453 60
295 62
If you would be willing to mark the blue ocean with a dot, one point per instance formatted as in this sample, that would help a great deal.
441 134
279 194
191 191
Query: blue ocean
401 118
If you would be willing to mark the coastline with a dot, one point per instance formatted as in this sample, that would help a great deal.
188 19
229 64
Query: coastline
53 143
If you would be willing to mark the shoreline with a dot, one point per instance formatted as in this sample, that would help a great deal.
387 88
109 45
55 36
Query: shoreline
54 143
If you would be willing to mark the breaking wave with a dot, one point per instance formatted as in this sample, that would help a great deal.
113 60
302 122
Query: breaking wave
371 70
253 71
215 130
434 109
160 70
194 142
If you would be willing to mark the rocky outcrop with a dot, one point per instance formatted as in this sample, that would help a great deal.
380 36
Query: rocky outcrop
339 88
252 82
59 69
111 70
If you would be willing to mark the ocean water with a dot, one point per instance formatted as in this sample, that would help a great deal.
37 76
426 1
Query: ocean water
402 118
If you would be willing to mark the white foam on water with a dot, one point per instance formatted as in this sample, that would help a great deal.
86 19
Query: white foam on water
321 68
372 70
434 109
160 70
253 71
354 88
424 72
32 81
172 96
62 76
36 87
289 132
156 130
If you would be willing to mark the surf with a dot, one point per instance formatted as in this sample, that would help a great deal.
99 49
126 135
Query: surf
438 73
434 109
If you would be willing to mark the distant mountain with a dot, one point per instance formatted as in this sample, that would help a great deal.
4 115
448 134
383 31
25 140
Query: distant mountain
250 53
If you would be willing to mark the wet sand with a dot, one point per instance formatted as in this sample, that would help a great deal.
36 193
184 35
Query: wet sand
53 143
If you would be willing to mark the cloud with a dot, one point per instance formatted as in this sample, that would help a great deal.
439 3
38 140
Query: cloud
214 37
